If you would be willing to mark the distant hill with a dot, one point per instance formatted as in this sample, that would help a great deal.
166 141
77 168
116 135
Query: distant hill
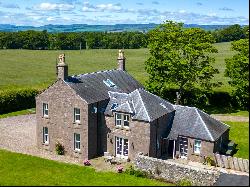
99 28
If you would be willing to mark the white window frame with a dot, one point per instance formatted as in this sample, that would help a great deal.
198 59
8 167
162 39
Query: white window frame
126 118
45 135
77 114
45 108
116 119
76 142
196 146
122 120
120 139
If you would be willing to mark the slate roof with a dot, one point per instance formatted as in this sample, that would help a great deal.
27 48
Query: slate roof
142 104
91 86
192 122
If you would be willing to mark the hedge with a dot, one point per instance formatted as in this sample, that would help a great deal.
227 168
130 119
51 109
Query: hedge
17 99
215 102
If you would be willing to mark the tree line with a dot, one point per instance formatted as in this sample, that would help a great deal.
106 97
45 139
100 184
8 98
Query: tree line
97 40
72 40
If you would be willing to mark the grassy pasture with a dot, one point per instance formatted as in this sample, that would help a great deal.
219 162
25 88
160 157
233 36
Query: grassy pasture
23 170
36 68
239 133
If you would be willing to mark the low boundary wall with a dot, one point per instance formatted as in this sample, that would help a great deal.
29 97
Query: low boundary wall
175 172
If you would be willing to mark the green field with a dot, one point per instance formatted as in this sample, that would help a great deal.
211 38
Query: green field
36 68
239 133
23 170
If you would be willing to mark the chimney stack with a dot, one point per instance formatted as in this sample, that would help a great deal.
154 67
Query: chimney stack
62 68
121 60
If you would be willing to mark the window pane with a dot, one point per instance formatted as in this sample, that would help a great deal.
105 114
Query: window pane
77 117
118 116
76 114
45 109
77 137
126 120
125 147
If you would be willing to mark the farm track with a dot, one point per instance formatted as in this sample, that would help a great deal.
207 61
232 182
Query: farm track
230 118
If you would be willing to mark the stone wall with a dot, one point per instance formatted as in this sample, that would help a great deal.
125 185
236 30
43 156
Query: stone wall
233 163
175 172
61 100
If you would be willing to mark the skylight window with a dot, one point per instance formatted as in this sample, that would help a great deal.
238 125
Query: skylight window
109 83
114 106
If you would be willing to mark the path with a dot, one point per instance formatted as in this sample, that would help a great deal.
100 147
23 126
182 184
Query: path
230 118
232 180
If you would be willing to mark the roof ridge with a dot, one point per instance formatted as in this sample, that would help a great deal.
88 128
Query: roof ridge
196 110
143 104
100 71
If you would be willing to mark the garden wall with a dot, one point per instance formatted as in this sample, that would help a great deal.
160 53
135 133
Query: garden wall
175 172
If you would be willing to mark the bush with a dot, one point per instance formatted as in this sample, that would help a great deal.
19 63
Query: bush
18 99
138 173
209 161
184 182
59 149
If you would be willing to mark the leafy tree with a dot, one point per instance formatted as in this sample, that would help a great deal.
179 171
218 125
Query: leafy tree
179 58
237 68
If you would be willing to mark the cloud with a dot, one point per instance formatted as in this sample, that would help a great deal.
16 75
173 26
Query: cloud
226 9
55 6
101 7
155 2
9 5
139 3
199 4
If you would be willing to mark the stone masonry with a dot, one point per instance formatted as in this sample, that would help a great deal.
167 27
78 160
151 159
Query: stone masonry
175 172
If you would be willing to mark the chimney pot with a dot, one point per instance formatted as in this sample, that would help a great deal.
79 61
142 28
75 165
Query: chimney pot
62 68
121 60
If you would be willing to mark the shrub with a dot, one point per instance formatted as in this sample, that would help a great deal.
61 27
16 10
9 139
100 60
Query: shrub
18 99
59 149
209 161
138 173
86 162
184 182
119 169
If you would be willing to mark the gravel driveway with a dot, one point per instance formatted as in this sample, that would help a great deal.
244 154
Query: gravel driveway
18 134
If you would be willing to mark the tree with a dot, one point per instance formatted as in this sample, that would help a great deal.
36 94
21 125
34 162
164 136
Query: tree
237 68
180 58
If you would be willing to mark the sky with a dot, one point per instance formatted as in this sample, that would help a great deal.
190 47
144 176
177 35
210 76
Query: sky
107 12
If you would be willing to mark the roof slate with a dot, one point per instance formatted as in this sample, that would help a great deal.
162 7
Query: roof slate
91 88
192 122
142 104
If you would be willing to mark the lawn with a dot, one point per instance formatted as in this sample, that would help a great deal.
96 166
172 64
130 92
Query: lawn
239 133
36 68
21 112
24 170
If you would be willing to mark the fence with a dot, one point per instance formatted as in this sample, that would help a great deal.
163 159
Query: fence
234 163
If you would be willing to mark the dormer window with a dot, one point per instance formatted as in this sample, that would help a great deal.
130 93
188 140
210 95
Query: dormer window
122 120
118 119
109 83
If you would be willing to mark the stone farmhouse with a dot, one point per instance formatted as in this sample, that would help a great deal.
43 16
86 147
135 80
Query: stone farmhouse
109 112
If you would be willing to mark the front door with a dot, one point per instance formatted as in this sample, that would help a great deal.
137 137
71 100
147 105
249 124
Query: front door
121 147
183 147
